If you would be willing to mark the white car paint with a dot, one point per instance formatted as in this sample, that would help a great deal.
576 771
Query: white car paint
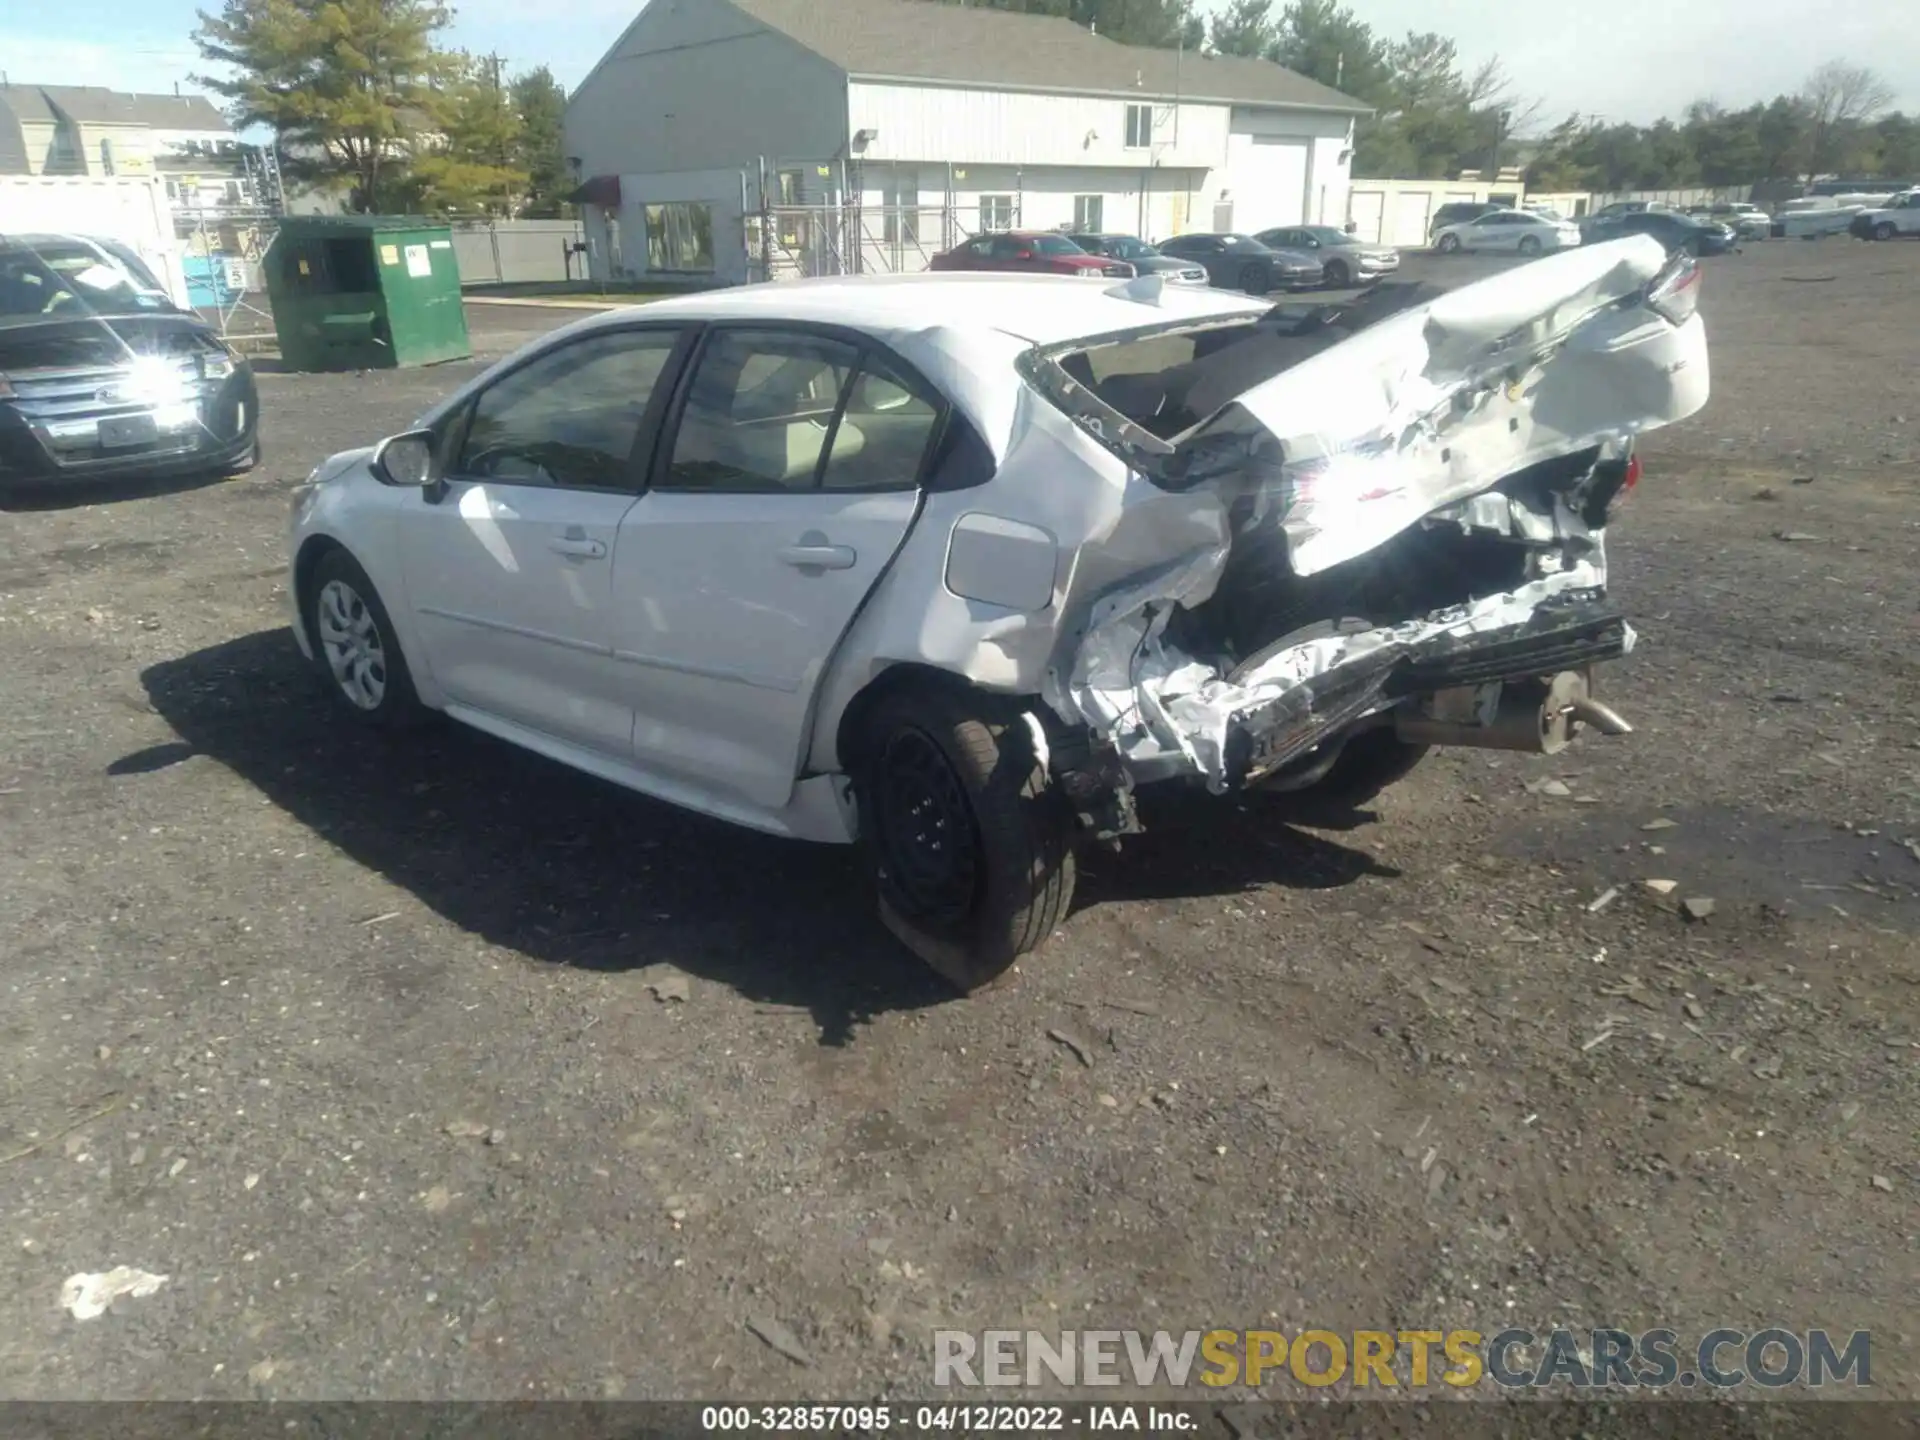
1509 230
1899 216
681 645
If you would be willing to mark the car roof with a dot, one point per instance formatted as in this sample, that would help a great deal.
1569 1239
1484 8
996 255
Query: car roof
963 330
1042 309
17 240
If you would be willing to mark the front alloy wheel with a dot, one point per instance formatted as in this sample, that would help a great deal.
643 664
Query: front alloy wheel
1448 244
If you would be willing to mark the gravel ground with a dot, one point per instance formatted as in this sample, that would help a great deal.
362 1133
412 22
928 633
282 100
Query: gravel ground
374 1052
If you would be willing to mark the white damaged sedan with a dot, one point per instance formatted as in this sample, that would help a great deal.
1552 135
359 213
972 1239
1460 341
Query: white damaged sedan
950 565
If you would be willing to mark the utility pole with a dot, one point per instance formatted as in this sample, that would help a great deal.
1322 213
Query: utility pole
499 102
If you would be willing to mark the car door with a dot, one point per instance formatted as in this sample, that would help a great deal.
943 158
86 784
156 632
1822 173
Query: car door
782 490
509 560
1012 252
1493 232
1204 250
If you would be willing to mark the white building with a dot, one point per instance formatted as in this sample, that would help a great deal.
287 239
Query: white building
879 132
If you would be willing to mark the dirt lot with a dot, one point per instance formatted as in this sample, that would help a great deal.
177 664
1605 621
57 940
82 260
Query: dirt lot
358 1046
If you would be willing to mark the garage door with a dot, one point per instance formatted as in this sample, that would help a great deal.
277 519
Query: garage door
1272 187
1410 218
1363 209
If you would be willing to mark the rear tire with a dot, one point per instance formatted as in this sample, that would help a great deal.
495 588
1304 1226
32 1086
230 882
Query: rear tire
969 841
1529 245
355 650
1338 276
1884 230
1448 244
1371 761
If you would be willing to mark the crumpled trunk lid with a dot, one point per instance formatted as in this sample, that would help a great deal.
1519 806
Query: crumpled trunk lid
1436 403
1434 483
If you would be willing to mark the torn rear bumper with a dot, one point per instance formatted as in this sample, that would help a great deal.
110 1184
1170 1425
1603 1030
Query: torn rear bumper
1571 633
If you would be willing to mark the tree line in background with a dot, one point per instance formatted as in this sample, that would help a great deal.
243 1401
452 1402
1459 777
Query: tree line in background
1433 118
367 105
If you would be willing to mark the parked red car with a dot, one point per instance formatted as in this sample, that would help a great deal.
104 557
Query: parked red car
1037 254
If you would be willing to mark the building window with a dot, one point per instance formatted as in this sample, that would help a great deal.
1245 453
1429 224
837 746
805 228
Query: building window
1087 213
900 201
790 230
1139 127
996 212
679 237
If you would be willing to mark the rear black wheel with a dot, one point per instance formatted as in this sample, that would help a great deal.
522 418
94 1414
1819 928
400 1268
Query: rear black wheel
1884 230
970 842
1529 245
1371 761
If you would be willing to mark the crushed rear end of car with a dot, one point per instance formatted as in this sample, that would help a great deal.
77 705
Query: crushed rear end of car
1383 520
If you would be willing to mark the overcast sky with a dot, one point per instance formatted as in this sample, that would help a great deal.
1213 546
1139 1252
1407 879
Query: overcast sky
1620 59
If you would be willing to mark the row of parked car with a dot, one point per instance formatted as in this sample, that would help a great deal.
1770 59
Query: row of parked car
1297 257
1475 225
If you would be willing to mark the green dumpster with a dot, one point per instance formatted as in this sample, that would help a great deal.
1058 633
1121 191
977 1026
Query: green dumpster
365 292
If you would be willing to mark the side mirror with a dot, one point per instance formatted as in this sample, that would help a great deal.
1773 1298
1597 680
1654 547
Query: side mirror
405 460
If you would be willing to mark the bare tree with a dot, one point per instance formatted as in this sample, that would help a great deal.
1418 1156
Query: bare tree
1839 98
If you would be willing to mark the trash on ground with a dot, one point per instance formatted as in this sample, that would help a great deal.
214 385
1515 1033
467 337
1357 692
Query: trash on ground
779 1338
87 1296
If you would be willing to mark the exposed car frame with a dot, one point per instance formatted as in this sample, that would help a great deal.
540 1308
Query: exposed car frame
1094 580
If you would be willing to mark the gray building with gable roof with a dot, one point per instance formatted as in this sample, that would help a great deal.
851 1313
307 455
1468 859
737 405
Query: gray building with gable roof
718 132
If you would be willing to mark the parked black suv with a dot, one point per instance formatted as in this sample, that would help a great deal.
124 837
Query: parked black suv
101 375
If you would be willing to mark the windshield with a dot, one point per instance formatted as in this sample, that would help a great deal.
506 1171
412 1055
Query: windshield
1125 247
1240 242
1056 245
1327 235
67 280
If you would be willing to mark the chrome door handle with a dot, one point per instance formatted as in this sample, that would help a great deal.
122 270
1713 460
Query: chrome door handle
818 557
586 549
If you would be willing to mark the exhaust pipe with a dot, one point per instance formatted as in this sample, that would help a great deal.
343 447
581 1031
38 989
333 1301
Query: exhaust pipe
1539 717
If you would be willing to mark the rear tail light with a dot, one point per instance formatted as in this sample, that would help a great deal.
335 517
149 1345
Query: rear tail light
1633 476
1675 292
6 388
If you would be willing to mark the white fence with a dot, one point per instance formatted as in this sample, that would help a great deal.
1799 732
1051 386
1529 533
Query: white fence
132 209
493 252
1400 212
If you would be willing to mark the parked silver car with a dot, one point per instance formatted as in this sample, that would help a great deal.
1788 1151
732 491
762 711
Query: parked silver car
1348 259
1520 231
